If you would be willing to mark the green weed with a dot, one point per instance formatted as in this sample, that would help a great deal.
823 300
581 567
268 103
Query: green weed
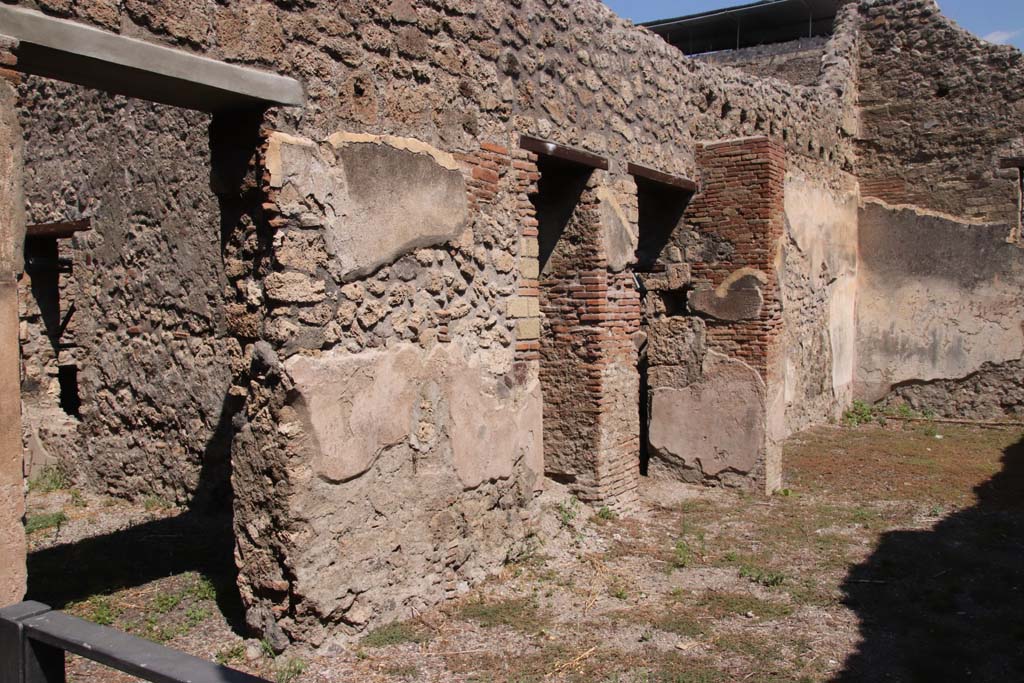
50 478
231 654
396 634
46 520
290 670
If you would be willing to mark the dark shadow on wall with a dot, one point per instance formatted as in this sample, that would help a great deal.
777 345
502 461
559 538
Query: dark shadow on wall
661 209
559 190
947 604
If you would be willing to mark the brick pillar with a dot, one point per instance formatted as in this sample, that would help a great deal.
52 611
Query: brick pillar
741 208
588 361
12 235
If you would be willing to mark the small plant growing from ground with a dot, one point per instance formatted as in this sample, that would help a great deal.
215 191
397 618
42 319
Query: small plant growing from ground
518 613
165 602
202 589
682 555
289 670
154 503
859 413
568 511
767 578
46 520
618 590
396 634
50 478
100 610
196 615
77 499
233 653
606 514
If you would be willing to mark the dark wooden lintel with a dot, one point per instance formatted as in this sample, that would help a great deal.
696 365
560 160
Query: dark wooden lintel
563 152
664 178
1012 162
58 230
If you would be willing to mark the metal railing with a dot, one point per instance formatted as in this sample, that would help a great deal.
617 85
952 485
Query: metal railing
34 638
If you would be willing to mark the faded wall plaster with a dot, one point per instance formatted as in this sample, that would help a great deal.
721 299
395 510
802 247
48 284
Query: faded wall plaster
381 196
390 438
819 274
936 298
714 428
12 227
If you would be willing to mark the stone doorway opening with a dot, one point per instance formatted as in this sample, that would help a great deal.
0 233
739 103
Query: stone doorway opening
564 220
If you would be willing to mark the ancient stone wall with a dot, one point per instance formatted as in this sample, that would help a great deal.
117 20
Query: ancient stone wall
138 319
937 299
797 62
939 107
994 392
382 270
387 404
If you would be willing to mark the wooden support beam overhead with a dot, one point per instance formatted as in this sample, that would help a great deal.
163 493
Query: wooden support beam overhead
71 51
1012 162
563 152
58 230
675 181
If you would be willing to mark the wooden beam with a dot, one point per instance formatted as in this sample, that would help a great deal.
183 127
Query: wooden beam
58 230
563 152
675 181
71 51
1012 162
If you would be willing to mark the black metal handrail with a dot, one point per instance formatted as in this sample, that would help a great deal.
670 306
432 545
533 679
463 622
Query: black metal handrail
34 638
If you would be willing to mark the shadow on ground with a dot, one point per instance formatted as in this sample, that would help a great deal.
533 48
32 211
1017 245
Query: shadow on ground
201 539
947 604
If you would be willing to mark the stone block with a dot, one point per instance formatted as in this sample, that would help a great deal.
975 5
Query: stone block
529 268
676 340
528 328
292 287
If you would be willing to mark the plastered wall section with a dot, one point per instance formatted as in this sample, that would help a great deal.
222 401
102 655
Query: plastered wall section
12 226
937 299
818 276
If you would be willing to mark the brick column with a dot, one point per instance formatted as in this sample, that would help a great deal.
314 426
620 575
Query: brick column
12 234
736 290
588 361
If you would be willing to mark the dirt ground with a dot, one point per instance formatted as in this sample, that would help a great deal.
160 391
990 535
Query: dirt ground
894 553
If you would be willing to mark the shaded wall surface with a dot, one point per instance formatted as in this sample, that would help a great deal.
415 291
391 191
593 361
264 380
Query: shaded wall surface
12 226
138 313
937 299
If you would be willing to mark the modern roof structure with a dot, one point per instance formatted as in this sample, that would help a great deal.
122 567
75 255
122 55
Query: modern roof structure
757 23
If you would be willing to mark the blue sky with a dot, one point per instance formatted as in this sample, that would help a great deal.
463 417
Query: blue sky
1000 21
